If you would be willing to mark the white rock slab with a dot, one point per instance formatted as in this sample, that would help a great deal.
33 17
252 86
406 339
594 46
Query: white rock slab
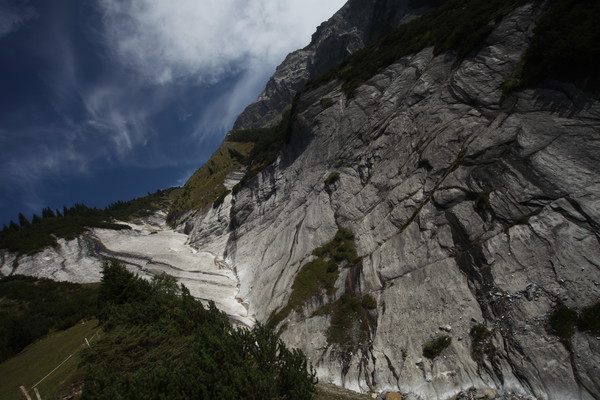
148 249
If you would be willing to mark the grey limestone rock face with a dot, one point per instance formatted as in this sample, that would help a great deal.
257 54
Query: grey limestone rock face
467 209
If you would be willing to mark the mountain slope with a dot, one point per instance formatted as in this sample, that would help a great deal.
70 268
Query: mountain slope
353 26
426 219
474 213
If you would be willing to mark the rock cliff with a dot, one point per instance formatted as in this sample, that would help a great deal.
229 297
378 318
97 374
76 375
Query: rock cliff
357 22
475 218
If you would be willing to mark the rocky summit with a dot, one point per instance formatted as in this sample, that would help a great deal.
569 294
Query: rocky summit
426 230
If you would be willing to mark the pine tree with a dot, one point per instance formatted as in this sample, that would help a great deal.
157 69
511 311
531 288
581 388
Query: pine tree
23 220
36 219
47 213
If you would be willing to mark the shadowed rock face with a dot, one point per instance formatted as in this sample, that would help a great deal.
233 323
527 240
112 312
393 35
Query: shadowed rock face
358 22
466 210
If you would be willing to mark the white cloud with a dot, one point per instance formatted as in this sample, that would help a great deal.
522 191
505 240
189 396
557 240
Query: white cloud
208 39
222 111
13 15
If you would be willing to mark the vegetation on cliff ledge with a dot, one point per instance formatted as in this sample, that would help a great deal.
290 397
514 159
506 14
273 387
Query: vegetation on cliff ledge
349 315
564 321
565 46
206 186
249 149
319 275
436 346
456 25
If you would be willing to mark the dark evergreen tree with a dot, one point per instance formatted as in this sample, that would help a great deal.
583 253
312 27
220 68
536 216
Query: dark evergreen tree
23 220
36 219
47 213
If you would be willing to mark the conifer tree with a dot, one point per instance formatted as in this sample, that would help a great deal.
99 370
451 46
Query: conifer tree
47 213
23 220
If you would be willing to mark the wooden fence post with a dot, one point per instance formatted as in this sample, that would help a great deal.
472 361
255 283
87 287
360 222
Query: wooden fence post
24 392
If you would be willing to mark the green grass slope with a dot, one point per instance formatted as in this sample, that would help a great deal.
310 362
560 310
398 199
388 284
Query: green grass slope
40 358
31 308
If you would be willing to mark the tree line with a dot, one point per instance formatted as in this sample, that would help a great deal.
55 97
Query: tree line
31 236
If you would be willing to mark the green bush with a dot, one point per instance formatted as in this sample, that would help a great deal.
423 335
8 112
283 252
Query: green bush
563 321
332 178
435 347
369 302
160 343
314 278
341 248
326 102
480 341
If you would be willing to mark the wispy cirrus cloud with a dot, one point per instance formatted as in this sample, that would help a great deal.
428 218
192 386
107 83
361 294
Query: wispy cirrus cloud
208 39
14 14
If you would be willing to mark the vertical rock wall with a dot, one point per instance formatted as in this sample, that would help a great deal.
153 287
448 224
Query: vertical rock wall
468 209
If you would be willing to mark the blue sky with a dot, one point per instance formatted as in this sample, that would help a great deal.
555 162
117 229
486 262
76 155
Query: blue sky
106 100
